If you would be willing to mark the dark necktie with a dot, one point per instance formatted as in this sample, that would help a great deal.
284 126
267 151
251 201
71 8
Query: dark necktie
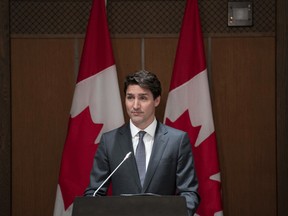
141 157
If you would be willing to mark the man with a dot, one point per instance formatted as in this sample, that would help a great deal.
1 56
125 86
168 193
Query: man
167 163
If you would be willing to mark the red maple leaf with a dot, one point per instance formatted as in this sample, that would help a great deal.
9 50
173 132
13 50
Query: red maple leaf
78 154
184 123
206 165
206 162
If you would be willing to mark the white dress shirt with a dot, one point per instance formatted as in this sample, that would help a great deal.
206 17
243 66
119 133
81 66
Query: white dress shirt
148 138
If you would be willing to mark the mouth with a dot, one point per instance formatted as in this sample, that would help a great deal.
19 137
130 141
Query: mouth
136 113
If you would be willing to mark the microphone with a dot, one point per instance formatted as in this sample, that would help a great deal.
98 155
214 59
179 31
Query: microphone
125 158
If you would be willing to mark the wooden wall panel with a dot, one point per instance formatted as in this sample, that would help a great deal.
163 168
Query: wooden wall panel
243 98
42 86
159 55
243 80
127 54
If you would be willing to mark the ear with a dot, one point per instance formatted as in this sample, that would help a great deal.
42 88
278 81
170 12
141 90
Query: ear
157 101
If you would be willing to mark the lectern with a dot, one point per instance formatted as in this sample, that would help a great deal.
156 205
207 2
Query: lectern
137 205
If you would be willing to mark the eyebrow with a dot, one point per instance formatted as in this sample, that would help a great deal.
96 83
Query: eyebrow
141 94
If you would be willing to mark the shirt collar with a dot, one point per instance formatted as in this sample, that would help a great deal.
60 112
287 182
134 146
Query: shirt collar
149 130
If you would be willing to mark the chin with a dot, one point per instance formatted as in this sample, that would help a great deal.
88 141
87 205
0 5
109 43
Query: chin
136 121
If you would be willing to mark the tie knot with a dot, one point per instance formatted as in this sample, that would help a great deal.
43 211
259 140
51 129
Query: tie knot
141 134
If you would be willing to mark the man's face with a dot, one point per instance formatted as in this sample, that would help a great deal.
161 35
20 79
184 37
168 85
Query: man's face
140 105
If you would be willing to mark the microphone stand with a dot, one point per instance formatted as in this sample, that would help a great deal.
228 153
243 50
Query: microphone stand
125 158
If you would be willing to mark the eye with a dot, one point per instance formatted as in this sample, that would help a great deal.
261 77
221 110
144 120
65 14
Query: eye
129 97
143 98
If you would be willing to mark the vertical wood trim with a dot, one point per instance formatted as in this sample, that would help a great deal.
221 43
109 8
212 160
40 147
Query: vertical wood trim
282 105
5 112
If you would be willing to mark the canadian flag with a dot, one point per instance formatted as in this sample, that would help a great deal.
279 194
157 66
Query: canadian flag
189 108
96 108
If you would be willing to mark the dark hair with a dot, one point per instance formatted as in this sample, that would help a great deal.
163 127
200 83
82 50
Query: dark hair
145 80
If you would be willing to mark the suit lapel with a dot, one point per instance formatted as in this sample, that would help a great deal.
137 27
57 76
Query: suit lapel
125 139
127 146
159 145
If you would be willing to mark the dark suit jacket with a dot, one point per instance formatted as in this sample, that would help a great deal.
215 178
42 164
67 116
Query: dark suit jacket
170 170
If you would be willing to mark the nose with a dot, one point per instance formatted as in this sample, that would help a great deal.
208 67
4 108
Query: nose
136 104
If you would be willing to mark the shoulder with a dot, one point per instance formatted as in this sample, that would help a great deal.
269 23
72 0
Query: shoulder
170 130
122 129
